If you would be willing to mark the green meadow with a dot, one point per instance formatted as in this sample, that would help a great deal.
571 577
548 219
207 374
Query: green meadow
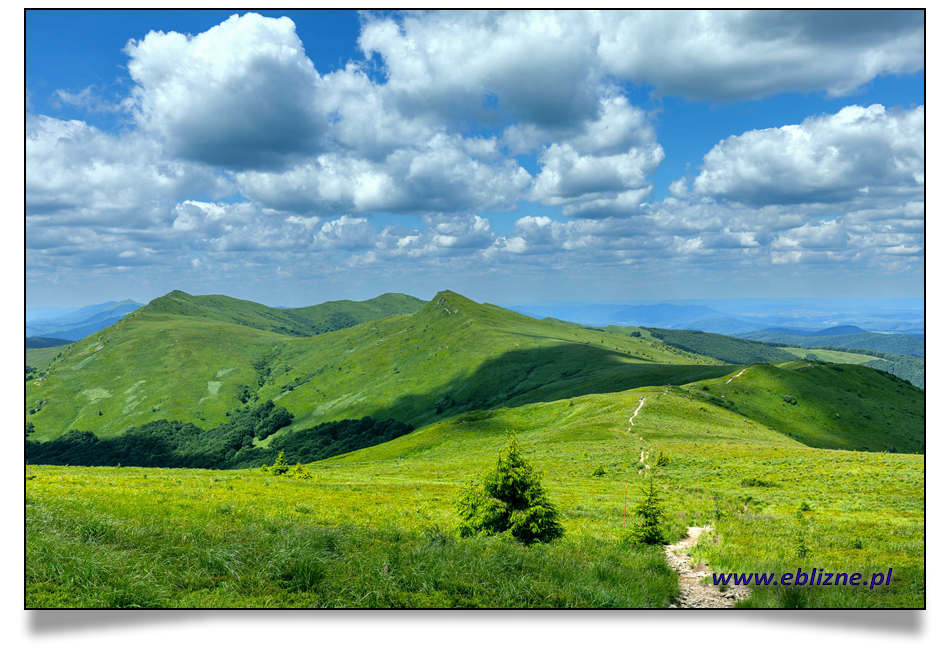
796 464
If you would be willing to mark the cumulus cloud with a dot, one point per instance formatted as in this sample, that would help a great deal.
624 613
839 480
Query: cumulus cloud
241 154
443 174
739 55
826 159
602 170
530 66
239 95
77 173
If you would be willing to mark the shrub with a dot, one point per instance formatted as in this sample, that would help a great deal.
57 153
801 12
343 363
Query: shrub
651 514
599 471
280 465
758 482
300 471
791 400
662 460
511 500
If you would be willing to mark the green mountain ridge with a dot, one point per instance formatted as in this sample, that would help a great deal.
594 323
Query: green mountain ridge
183 357
299 321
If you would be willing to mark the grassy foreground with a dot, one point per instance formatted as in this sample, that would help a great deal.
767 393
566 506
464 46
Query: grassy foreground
375 528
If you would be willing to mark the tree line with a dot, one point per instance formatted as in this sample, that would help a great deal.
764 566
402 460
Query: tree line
171 443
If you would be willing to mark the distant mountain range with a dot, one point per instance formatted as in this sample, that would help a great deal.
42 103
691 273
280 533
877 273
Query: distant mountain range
737 317
74 324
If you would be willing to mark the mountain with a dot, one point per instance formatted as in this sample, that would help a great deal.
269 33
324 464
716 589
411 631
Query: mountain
661 315
39 313
301 321
721 325
828 331
901 344
188 358
79 323
718 346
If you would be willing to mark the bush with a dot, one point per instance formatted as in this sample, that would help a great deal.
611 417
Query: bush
299 471
280 465
599 471
651 514
758 482
511 500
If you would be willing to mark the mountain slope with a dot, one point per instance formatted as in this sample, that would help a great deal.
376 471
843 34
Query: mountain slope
833 406
302 321
181 359
903 344
727 348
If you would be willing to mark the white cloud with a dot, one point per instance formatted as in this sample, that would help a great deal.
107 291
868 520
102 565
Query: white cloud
825 159
77 173
239 95
439 175
738 55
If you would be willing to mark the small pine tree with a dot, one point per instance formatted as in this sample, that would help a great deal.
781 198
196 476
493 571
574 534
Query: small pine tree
299 471
511 500
651 514
280 465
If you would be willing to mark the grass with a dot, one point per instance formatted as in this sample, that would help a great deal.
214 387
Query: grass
452 352
185 538
376 527
41 357
832 356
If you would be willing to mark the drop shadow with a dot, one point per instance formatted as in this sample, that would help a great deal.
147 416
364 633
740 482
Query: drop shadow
53 622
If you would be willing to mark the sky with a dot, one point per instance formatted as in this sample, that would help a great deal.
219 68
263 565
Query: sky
295 157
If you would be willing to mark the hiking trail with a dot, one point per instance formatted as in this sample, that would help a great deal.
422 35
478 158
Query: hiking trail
694 593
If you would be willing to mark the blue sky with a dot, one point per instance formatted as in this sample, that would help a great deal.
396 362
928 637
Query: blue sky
296 157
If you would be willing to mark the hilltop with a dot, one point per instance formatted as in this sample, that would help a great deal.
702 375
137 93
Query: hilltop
300 321
187 358
196 359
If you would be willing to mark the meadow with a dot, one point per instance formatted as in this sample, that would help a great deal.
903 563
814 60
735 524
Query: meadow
376 527
797 464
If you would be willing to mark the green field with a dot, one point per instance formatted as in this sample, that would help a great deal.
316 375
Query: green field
832 356
376 527
797 464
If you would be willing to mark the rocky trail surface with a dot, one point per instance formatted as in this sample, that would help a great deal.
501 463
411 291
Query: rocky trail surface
694 593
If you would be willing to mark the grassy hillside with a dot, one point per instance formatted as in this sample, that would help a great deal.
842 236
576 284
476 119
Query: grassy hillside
376 527
41 357
905 367
902 344
181 359
718 346
302 321
825 405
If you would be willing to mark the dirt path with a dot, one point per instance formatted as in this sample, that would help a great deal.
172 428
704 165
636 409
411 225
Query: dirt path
694 593
737 374
642 400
